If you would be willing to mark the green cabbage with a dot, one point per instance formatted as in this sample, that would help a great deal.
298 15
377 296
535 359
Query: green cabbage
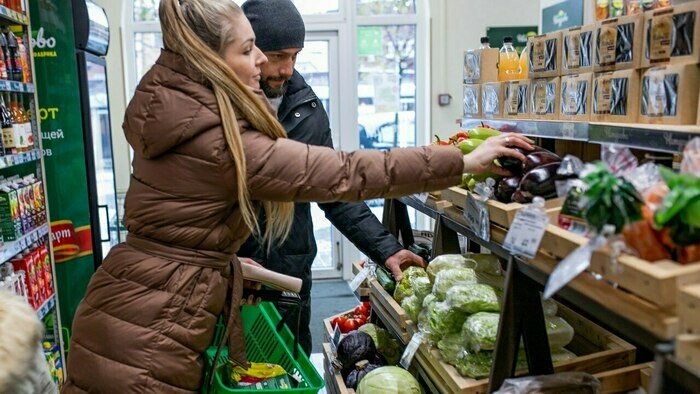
446 279
451 348
480 331
412 306
497 281
429 300
447 261
406 287
560 355
444 320
421 287
473 298
386 345
560 333
475 365
389 380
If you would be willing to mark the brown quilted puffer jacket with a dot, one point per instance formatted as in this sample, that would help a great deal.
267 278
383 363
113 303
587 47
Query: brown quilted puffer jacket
150 309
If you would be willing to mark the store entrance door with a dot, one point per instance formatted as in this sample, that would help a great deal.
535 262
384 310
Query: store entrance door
318 63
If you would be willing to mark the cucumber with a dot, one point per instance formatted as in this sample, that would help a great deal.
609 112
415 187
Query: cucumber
386 280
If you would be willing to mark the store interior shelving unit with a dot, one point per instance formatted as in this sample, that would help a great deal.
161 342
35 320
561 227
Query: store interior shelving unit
30 161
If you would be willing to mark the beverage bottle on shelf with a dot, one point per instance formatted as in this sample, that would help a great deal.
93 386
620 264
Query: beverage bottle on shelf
508 61
648 5
18 132
633 7
524 63
24 61
485 44
28 129
663 3
7 130
6 57
16 72
3 63
602 10
617 8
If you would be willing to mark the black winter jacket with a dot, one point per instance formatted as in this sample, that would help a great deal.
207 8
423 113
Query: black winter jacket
303 116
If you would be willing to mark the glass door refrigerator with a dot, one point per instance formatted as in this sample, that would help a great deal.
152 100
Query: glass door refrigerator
71 38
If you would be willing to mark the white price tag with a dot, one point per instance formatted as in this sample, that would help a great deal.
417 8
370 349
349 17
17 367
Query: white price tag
366 272
411 350
335 340
477 214
568 130
526 232
422 197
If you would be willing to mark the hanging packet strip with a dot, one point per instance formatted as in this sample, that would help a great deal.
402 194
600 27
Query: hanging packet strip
476 211
526 232
368 271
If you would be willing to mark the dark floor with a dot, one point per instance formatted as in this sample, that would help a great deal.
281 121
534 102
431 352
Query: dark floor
328 298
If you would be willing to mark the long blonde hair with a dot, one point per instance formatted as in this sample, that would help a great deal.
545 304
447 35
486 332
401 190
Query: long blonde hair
199 31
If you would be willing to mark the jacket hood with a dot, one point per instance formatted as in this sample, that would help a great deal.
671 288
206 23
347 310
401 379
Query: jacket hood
170 106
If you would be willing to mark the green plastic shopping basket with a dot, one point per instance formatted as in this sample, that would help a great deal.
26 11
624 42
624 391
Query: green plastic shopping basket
265 345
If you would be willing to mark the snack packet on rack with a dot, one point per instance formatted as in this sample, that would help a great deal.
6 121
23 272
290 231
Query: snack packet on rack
260 376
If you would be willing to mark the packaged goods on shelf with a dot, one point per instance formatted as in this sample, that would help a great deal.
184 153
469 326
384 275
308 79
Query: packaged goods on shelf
615 96
545 55
671 35
544 98
480 65
471 102
669 94
618 43
492 100
516 99
577 50
575 97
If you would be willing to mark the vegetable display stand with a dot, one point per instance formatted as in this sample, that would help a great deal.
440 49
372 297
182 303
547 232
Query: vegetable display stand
689 309
688 350
625 379
500 213
265 344
328 327
362 292
393 316
334 380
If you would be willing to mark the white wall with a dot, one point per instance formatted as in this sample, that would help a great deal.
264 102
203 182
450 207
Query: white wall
117 98
456 26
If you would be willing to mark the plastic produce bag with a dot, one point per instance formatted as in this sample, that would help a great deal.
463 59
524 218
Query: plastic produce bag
449 278
444 320
473 298
475 365
570 168
486 263
451 348
644 177
618 159
480 331
412 305
563 382
414 278
561 354
691 157
496 281
447 261
559 332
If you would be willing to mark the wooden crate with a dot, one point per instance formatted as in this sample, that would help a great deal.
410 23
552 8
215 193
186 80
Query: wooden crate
657 282
328 329
361 292
334 380
499 213
625 379
689 309
598 350
393 316
688 350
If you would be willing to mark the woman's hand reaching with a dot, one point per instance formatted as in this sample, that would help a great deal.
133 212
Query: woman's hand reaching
482 158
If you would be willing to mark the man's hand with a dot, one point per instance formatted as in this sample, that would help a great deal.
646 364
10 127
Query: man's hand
402 260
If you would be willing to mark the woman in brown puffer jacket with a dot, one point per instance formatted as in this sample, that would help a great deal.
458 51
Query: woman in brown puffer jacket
207 150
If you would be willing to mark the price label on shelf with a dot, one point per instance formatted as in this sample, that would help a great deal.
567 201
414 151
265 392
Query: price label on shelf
335 340
568 130
411 349
369 271
422 197
526 232
477 215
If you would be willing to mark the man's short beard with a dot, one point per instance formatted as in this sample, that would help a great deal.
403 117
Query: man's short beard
271 92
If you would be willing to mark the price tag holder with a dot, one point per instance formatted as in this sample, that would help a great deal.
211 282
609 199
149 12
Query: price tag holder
335 340
526 232
477 215
422 197
369 270
411 350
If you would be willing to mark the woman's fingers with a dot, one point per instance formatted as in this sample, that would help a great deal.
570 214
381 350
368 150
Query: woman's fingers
503 151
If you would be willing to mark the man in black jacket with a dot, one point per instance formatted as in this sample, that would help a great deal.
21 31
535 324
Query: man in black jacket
280 32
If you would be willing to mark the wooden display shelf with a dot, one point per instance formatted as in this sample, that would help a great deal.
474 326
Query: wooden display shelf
625 379
689 309
334 380
598 350
395 318
688 350
361 292
499 213
657 282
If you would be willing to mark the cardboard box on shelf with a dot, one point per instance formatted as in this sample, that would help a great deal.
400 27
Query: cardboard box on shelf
471 101
618 43
516 99
669 94
575 97
615 96
544 55
544 98
492 97
577 49
672 35
480 66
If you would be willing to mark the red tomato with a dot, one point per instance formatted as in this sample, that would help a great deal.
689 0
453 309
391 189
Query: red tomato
362 319
349 325
361 310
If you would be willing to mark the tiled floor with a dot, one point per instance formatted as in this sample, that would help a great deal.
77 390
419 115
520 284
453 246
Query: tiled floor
317 361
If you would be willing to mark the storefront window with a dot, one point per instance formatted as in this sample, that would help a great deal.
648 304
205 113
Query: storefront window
146 10
316 7
147 49
385 7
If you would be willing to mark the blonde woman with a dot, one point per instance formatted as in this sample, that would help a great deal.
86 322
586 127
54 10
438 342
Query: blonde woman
208 153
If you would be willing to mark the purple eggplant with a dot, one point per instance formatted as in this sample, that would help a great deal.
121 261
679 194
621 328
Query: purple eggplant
538 159
539 182
506 187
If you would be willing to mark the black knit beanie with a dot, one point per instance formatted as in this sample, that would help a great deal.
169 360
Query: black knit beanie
277 24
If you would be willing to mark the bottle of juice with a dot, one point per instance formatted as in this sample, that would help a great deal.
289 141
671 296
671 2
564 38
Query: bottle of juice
17 125
7 132
601 9
617 8
524 62
508 61
6 56
485 44
27 118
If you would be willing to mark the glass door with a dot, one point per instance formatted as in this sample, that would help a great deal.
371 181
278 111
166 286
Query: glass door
318 63
99 139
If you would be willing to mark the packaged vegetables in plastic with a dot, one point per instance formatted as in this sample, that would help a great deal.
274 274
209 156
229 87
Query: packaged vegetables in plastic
480 331
451 348
415 281
443 320
412 305
473 298
448 278
386 345
447 261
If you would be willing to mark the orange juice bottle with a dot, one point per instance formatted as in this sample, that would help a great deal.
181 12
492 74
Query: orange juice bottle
508 61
